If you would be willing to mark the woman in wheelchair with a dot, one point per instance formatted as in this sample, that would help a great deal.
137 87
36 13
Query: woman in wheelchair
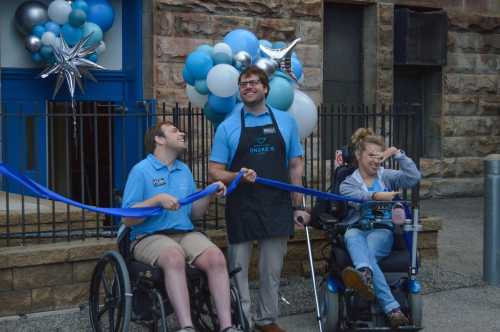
367 243
168 240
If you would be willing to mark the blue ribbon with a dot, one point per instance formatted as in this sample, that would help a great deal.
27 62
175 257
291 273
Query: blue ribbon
143 212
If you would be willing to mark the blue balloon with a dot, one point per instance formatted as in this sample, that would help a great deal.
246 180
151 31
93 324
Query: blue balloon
77 17
36 57
199 64
201 87
96 31
53 27
206 48
243 40
71 34
280 93
80 4
222 58
100 13
265 43
279 44
92 57
220 104
296 67
187 76
46 51
38 30
213 116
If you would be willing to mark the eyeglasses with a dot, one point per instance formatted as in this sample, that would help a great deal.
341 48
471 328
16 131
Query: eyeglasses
251 83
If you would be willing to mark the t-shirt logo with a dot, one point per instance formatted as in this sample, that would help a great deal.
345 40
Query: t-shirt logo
159 182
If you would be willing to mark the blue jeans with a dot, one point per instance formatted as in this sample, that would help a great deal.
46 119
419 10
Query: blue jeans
366 248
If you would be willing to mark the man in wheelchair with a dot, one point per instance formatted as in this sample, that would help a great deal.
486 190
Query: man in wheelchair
366 241
168 240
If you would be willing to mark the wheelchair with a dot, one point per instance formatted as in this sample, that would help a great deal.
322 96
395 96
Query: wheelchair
123 290
343 309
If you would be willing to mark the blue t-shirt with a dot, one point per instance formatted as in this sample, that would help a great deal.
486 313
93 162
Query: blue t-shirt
372 212
227 136
151 177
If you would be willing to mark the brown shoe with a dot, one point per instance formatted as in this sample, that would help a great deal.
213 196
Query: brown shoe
397 318
273 327
360 281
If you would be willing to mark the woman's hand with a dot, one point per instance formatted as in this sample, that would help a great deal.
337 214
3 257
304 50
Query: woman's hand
388 153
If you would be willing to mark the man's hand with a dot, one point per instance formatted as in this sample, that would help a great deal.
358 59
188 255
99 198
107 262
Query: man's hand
222 189
167 201
385 195
388 153
249 175
301 218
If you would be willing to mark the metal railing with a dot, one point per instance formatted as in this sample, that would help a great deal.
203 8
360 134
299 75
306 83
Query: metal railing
86 156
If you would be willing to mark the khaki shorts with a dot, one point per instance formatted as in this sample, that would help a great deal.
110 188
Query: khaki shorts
192 244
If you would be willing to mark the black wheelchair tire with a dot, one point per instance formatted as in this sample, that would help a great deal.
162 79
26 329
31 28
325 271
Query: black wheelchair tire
117 295
330 310
237 313
416 309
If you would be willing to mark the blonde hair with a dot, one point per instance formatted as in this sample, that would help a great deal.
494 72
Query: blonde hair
363 136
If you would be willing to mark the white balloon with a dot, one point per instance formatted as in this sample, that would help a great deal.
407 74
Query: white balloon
305 113
101 48
48 38
222 80
195 98
223 48
59 11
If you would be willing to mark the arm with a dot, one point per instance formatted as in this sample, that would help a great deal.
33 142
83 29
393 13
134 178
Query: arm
406 177
165 200
200 206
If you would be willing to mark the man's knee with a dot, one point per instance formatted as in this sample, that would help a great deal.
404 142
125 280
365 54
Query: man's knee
171 258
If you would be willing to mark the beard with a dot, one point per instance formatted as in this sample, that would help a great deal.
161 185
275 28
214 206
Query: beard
254 102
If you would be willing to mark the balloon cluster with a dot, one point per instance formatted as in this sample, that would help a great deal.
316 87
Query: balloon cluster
211 75
43 26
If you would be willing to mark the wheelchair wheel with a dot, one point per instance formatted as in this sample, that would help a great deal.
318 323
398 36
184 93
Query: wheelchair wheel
416 309
330 309
110 300
237 313
202 306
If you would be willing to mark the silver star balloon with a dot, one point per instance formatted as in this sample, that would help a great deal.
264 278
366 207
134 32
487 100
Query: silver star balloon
283 56
71 64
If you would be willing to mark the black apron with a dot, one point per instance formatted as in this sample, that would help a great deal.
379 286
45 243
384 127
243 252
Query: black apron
254 211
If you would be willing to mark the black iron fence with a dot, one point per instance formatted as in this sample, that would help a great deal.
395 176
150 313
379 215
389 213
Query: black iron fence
87 154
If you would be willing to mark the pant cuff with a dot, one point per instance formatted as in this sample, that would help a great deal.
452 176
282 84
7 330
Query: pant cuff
391 306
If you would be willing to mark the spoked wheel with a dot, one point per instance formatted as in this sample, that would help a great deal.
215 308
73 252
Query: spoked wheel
110 298
416 309
237 313
330 309
202 306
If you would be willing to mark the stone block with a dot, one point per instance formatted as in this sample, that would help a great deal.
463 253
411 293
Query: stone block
459 146
169 75
488 63
313 78
192 25
465 21
385 58
430 167
385 81
310 55
486 84
491 42
385 14
461 63
236 7
489 105
384 98
6 280
277 29
465 42
15 302
466 126
458 187
42 299
460 105
92 249
176 48
469 167
452 84
425 189
70 295
310 32
82 271
42 275
307 9
448 167
164 23
27 256
224 24
171 96
385 35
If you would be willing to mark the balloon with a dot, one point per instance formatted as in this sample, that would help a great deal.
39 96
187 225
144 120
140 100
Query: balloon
92 57
220 57
242 60
101 13
267 65
206 48
223 48
32 43
53 27
71 34
80 4
195 98
280 93
38 30
243 40
96 31
201 87
220 104
36 57
213 116
101 48
46 51
305 113
296 67
266 43
199 64
186 75
48 38
77 17
222 80
59 11
29 14
279 44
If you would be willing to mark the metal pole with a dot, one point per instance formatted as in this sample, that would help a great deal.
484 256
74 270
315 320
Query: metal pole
491 258
311 262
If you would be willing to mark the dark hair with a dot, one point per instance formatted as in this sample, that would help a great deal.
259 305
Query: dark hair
254 70
151 133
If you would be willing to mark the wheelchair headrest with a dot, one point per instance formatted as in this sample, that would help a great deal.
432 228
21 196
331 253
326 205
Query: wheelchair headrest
347 154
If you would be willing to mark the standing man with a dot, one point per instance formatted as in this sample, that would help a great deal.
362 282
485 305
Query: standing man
168 240
259 140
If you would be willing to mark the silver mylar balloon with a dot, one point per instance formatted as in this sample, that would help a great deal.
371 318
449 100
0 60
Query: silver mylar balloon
32 43
29 14
267 65
283 56
242 60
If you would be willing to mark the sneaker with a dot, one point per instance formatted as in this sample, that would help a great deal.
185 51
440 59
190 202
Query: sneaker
359 280
397 318
398 214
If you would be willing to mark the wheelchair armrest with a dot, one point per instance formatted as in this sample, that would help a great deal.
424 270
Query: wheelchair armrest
327 219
